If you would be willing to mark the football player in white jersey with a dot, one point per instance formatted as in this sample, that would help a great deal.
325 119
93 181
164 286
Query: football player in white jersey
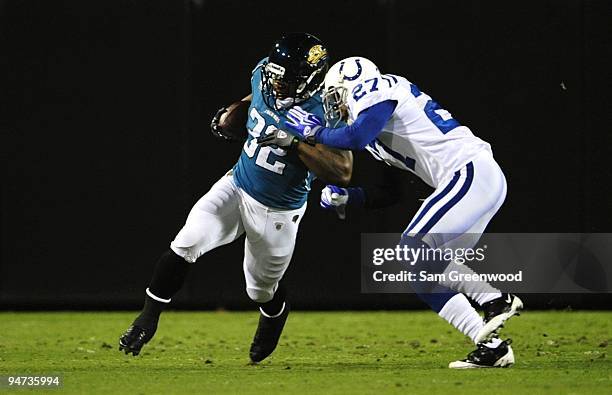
404 127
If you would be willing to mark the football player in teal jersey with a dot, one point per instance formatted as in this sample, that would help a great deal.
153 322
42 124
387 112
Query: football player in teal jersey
263 196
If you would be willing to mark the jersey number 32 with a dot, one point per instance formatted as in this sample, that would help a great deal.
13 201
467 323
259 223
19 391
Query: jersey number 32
251 146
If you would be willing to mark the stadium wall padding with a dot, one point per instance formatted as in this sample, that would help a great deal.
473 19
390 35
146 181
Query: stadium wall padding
106 144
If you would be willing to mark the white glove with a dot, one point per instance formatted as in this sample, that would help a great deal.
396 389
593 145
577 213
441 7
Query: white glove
333 197
304 123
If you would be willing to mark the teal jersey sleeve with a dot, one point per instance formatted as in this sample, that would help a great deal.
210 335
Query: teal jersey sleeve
272 176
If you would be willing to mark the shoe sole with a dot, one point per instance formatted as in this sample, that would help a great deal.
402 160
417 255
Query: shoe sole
490 329
504 362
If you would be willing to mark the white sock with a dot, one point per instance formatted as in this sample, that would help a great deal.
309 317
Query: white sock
459 313
480 292
493 343
483 297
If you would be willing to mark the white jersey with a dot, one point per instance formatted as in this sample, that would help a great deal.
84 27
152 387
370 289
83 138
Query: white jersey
420 136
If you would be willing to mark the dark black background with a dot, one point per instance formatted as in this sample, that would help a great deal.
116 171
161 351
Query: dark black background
105 143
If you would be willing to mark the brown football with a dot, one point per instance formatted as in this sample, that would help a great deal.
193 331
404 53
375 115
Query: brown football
233 122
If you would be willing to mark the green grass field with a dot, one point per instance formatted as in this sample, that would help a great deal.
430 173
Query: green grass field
331 352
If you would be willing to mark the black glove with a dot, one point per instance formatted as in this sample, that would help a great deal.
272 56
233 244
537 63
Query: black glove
216 129
279 139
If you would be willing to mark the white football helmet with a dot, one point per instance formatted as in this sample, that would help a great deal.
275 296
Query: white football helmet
340 81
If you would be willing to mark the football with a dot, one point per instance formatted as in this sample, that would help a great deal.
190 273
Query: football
233 121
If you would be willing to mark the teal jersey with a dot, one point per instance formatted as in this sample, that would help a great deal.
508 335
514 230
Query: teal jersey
272 176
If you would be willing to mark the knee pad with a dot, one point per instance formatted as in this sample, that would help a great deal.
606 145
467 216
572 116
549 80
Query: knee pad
188 254
258 295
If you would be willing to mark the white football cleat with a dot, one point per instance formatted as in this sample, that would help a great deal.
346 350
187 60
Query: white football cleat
496 313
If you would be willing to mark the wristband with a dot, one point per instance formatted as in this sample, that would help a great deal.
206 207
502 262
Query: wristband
310 140
356 197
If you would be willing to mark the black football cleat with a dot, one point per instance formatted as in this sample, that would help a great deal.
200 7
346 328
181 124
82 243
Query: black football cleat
135 338
268 332
485 357
496 313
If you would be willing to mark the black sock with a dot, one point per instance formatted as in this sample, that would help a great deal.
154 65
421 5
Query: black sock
274 306
168 277
149 316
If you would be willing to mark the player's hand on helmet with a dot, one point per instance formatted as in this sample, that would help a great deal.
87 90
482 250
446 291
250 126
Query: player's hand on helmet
304 123
335 198
278 138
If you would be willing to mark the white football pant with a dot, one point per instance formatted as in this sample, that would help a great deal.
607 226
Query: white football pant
226 212
459 210
457 213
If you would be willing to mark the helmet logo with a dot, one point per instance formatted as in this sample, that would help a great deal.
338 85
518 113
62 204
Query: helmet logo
354 77
315 54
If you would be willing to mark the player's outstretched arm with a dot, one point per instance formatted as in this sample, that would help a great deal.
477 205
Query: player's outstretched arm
368 197
331 165
383 194
356 136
